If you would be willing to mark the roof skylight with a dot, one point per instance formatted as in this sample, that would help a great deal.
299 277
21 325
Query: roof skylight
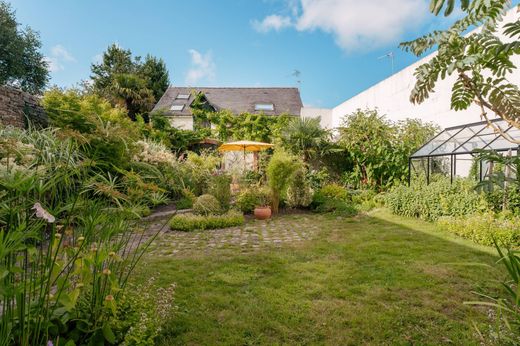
182 96
177 107
264 107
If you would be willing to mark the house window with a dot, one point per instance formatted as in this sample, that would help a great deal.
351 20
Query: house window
182 96
264 107
177 107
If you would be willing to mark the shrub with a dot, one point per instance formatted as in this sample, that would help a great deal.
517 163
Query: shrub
333 198
280 169
198 170
190 222
440 198
207 205
483 228
186 201
299 192
220 187
327 193
252 197
366 200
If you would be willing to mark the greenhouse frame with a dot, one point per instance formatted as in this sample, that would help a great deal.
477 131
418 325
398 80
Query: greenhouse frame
461 143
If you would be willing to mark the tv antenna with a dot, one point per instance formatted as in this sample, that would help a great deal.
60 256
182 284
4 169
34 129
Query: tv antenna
391 56
296 74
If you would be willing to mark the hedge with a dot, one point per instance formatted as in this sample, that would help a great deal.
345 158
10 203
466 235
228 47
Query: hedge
191 222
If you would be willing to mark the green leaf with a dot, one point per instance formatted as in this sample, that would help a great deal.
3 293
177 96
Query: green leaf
109 334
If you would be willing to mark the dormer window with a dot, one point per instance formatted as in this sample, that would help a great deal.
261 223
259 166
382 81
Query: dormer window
264 107
177 107
182 97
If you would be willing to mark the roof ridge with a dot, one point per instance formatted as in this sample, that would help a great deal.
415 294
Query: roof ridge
249 87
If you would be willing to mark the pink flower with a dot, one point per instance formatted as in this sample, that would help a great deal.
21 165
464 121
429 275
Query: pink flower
42 213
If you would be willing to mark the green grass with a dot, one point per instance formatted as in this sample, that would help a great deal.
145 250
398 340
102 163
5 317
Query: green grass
375 279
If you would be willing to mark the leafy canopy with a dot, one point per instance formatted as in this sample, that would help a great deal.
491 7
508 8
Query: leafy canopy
378 148
481 61
21 62
134 84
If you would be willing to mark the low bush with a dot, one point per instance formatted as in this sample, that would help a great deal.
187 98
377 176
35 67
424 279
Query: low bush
220 187
186 201
191 222
366 200
483 228
299 191
440 198
329 192
252 197
333 198
207 205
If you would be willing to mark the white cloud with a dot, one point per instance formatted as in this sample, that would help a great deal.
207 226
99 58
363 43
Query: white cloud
58 57
272 22
59 52
53 64
202 67
356 25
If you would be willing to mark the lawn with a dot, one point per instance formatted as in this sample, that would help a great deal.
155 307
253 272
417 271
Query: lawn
321 279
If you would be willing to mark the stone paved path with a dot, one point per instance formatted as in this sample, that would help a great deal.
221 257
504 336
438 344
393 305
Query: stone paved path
252 236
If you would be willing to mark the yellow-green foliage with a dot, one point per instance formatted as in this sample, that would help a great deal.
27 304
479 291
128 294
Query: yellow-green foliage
440 198
483 228
252 197
191 222
207 205
280 169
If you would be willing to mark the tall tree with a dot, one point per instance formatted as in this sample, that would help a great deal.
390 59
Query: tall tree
481 61
21 62
134 84
154 71
116 60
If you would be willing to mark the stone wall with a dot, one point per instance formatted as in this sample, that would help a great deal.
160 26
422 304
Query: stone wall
17 108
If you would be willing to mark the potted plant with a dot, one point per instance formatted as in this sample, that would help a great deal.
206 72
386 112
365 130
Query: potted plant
263 207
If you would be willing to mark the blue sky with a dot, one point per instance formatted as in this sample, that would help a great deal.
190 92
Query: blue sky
335 44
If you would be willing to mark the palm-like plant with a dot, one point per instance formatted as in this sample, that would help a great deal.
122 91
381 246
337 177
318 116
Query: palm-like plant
306 137
131 91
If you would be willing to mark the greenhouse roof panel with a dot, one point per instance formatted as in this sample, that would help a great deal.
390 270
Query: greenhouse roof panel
467 138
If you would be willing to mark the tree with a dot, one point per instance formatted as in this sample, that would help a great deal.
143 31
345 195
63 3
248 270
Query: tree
115 61
306 137
378 148
155 73
131 92
481 61
128 81
21 62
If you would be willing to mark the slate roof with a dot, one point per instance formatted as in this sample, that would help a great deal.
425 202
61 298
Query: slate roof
236 100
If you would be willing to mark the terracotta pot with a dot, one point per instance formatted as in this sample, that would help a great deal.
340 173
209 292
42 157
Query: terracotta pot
262 213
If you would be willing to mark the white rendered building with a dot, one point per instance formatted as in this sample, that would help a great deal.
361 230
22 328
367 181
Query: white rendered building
391 97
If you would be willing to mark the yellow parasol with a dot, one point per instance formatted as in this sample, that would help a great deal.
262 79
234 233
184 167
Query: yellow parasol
245 146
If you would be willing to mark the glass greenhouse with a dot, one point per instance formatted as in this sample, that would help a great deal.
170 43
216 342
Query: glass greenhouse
453 151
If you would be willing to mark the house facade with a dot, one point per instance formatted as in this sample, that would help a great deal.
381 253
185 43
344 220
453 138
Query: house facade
177 101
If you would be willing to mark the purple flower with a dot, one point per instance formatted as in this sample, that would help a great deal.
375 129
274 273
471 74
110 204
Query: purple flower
49 343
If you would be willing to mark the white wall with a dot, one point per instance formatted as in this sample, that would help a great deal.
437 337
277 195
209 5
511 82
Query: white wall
181 122
391 97
324 113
